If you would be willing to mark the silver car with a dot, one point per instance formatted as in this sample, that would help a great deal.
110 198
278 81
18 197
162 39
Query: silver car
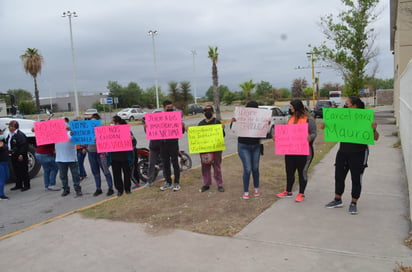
131 114
278 118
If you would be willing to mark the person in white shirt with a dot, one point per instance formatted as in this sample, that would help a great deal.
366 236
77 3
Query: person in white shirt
66 158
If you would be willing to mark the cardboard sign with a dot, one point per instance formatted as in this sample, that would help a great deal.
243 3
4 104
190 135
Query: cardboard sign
348 125
251 122
113 138
208 138
163 125
83 131
291 139
50 132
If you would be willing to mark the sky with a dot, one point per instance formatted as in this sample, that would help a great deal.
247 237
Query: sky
257 40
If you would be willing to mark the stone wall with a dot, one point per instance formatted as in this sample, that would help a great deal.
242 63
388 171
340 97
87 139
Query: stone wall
384 97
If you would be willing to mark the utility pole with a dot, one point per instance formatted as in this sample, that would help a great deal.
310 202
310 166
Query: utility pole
313 75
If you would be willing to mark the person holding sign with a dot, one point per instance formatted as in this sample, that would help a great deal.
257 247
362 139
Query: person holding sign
4 165
211 159
351 157
301 163
169 152
122 161
99 161
249 153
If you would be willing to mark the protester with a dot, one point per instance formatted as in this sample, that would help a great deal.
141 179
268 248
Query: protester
216 157
99 161
169 153
351 157
121 162
45 154
66 158
154 158
301 163
249 151
4 165
18 148
81 151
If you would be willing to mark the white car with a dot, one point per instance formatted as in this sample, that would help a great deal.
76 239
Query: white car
278 118
131 114
88 113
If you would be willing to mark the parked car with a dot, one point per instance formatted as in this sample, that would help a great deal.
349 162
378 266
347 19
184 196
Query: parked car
320 104
88 113
194 109
131 114
278 118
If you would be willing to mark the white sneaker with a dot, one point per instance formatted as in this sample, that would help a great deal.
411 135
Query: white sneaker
53 188
166 186
176 187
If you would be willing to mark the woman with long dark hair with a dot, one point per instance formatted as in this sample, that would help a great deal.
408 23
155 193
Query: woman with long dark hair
301 163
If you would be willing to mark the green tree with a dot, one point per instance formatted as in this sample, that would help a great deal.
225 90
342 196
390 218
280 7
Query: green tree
20 95
32 63
27 107
222 90
352 39
214 56
264 88
229 97
284 93
149 97
247 88
174 92
327 87
187 97
127 96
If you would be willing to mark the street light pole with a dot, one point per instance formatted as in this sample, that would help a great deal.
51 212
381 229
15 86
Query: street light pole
194 74
153 33
69 15
313 75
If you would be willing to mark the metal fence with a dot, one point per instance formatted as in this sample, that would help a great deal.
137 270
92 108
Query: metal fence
405 123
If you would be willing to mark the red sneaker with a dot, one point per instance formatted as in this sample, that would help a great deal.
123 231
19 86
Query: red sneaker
285 194
300 198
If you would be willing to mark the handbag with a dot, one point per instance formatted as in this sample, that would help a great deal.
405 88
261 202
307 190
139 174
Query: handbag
206 158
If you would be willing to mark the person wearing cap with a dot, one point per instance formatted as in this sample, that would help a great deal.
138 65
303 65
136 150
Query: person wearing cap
217 156
4 165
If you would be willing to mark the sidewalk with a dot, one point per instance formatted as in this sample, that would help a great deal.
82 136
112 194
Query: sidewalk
288 236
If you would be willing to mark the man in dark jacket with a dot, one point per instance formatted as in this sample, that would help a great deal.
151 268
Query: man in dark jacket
18 146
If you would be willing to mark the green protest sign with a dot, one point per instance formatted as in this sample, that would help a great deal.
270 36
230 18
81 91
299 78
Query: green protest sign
203 139
348 125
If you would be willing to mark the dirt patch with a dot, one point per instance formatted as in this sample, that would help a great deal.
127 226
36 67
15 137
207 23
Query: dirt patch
211 212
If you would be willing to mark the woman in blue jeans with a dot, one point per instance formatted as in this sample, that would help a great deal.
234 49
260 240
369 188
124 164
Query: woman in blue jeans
4 165
45 155
249 153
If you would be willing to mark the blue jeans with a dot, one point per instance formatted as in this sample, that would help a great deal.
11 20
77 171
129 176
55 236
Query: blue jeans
49 169
80 159
4 176
99 161
63 173
250 156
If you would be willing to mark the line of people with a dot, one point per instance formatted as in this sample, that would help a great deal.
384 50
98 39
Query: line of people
350 157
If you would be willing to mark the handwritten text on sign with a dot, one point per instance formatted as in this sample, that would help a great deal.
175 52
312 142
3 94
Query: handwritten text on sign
291 139
83 131
348 125
51 131
203 139
163 125
113 138
251 122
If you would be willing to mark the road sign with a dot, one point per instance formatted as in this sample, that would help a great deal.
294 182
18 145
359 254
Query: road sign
109 100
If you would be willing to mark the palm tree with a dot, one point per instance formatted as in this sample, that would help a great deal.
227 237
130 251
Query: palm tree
213 55
32 62
247 88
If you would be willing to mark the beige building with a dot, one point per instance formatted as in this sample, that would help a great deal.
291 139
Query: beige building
66 103
400 43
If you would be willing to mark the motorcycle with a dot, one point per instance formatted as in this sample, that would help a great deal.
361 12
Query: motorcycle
143 154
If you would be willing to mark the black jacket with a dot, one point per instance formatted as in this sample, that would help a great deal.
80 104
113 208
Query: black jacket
19 145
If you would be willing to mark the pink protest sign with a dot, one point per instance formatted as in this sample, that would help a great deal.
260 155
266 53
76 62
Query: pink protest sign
113 138
291 139
50 132
163 125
